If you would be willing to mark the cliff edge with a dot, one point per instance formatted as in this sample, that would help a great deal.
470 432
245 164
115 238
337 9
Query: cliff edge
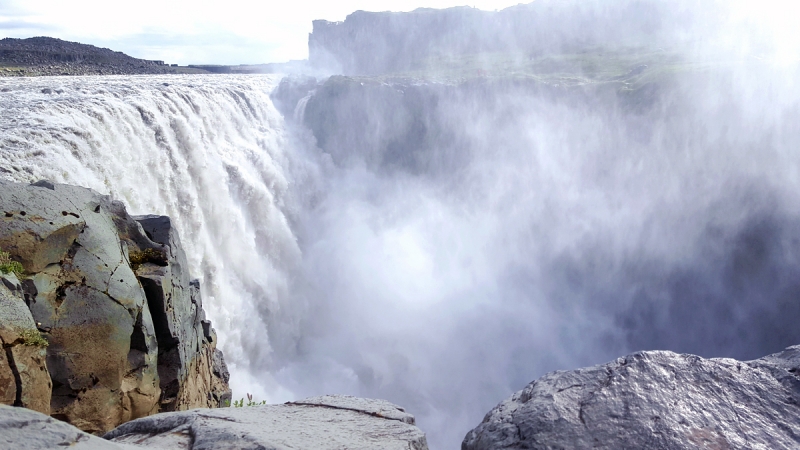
113 305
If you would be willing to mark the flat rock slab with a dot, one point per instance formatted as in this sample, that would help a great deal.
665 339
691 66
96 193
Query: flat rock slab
319 423
654 400
23 429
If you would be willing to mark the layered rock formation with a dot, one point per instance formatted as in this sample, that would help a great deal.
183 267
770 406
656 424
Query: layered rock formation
319 423
126 331
654 399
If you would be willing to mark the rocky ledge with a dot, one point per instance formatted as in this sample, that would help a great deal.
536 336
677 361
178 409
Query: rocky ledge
656 400
102 324
319 423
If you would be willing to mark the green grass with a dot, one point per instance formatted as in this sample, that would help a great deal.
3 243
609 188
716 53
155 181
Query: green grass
8 265
33 338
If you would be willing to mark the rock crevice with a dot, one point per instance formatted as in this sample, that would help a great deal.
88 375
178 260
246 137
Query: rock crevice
118 349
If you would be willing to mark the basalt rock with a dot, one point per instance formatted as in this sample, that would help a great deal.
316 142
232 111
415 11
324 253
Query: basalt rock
656 400
24 379
192 370
107 330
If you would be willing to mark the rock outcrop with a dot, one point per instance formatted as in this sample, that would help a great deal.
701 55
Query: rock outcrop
24 379
327 422
655 399
113 304
319 423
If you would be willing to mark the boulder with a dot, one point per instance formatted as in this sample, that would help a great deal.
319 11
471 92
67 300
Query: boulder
90 278
655 399
24 379
319 423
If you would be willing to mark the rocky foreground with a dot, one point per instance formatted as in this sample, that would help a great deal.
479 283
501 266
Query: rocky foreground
653 400
320 423
101 322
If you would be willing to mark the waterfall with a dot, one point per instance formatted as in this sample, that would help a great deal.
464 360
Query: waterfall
209 152
440 246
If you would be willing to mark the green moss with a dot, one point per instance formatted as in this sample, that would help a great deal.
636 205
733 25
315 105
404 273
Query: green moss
33 338
7 265
148 255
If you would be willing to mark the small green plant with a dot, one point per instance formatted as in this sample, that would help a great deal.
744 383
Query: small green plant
250 402
7 265
33 338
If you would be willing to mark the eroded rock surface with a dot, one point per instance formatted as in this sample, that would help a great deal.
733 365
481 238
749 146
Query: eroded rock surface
89 276
24 379
327 422
658 400
23 429
192 370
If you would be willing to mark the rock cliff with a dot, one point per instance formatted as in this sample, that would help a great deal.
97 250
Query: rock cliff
126 331
369 43
656 399
319 423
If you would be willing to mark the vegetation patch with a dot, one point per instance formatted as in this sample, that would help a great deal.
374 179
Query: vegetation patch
241 403
148 255
8 265
33 338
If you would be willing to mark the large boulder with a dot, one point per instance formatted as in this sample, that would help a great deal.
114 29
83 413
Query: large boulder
656 399
24 379
319 423
88 268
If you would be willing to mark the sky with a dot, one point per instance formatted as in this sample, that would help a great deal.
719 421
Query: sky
197 31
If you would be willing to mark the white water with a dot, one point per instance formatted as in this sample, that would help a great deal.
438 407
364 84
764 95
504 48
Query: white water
209 152
564 236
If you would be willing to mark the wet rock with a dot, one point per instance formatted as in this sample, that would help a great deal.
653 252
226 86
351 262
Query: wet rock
654 399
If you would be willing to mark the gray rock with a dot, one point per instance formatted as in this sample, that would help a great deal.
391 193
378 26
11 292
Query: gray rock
123 320
655 400
24 378
23 429
319 423
191 369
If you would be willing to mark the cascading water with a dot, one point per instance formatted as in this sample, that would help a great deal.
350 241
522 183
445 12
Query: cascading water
442 246
208 151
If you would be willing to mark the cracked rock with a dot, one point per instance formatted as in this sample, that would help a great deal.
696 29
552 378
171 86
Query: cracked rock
117 351
656 400
319 423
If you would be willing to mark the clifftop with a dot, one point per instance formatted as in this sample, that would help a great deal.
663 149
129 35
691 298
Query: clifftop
368 43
